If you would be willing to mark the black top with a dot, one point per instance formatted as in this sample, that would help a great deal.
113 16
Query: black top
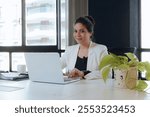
81 63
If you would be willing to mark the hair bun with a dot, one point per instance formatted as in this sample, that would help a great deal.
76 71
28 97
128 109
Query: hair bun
91 19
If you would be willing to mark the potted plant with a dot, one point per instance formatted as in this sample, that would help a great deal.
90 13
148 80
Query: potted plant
129 65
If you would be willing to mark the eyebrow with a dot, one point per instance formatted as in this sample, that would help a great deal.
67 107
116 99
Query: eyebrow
80 29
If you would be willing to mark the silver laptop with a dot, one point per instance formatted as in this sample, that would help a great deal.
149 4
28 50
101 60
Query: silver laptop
46 67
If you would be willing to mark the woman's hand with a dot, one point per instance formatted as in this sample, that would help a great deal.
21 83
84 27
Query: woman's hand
76 73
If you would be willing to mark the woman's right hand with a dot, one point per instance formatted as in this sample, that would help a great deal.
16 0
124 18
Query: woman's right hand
76 73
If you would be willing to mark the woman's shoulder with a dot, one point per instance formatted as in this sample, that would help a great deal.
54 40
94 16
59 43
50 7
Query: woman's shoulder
72 46
99 46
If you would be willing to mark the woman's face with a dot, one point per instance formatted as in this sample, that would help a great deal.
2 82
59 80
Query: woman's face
81 34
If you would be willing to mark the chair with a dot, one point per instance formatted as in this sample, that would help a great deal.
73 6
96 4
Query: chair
121 51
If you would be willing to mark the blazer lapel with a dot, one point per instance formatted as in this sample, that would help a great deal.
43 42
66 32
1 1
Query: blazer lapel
74 56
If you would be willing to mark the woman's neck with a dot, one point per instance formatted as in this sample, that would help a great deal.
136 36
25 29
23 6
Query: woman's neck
83 50
85 45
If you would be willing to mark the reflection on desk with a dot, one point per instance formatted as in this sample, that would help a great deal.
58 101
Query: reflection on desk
83 90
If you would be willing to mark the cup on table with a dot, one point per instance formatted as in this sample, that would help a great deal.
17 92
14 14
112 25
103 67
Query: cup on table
21 68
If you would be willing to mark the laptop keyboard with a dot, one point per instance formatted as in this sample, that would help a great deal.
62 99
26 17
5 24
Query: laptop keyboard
66 78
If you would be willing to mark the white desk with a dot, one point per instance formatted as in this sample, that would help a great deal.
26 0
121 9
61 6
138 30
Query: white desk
82 90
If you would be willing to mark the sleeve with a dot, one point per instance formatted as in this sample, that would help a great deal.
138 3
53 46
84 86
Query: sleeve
93 75
96 74
86 72
63 59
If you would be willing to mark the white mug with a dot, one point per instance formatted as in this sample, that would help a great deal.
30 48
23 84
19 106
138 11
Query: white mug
21 68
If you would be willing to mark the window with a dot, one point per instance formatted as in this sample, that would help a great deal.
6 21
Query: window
145 34
31 26
10 23
41 22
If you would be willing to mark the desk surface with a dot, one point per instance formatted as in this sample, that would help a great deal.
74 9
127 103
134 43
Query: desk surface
94 89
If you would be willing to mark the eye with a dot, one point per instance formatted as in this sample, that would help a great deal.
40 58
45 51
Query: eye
82 31
75 31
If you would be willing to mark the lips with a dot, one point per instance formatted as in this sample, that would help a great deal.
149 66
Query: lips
79 38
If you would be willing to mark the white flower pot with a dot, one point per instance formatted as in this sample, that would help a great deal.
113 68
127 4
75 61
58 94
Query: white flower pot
125 78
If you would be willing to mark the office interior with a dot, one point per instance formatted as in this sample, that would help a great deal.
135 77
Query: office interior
118 26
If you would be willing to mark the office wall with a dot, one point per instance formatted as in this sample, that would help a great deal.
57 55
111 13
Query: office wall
117 23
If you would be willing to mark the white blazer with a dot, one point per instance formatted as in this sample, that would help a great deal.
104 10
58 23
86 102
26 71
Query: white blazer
95 54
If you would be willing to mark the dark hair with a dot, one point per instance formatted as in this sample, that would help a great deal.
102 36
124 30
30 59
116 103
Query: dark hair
87 21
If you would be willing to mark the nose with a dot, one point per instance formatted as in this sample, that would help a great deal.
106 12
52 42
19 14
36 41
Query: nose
77 33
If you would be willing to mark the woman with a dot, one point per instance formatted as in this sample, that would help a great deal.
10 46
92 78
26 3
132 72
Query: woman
82 60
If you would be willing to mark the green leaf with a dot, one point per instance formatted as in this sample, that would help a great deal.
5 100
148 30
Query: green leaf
131 56
105 73
133 63
123 66
147 66
148 75
106 60
141 85
141 66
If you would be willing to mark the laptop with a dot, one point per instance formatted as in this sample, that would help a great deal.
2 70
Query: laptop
46 67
